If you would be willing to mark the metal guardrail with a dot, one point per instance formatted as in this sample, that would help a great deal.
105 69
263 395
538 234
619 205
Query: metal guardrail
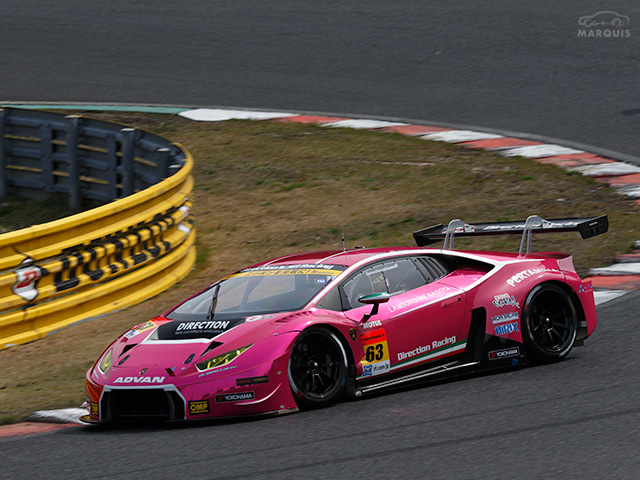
83 266
42 153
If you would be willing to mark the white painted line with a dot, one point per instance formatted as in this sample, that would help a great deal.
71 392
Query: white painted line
603 169
65 415
632 191
539 151
362 124
631 268
458 136
603 296
219 115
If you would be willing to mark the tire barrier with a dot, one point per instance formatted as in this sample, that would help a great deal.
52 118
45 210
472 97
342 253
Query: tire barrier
105 259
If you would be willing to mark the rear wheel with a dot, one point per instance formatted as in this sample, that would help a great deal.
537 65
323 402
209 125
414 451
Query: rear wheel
549 323
317 368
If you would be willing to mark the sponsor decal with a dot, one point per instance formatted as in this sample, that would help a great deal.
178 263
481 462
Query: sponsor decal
585 287
374 336
441 343
465 229
217 370
131 333
504 300
140 328
256 318
316 266
199 407
518 277
504 353
146 326
353 333
139 380
290 271
505 317
189 327
302 269
372 369
94 409
419 299
181 330
371 324
235 397
520 226
414 352
376 353
251 381
507 328
26 280
426 348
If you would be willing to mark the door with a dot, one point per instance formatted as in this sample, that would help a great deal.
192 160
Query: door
419 324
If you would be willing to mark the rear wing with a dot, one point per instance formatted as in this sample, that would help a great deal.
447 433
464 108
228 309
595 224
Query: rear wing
588 227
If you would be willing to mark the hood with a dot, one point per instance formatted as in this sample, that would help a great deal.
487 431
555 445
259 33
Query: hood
173 347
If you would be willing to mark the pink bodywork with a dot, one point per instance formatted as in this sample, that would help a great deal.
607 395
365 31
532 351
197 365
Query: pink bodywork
416 327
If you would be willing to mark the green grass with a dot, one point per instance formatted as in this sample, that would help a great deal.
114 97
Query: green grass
266 189
17 212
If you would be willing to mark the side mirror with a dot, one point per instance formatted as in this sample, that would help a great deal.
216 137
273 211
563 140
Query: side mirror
374 299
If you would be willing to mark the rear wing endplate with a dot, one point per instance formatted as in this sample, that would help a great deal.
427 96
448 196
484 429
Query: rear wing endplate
588 227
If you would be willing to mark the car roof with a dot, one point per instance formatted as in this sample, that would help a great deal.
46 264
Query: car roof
334 257
357 255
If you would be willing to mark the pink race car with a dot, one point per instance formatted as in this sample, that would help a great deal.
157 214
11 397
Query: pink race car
301 331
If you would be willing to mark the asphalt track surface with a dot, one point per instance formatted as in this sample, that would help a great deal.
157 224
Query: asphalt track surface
575 419
517 66
514 66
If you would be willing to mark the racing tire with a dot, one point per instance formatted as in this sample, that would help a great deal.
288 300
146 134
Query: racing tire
549 323
317 368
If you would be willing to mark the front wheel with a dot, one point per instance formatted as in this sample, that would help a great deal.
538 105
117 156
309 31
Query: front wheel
549 323
317 368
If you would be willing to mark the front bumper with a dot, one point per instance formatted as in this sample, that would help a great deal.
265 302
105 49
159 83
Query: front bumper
257 391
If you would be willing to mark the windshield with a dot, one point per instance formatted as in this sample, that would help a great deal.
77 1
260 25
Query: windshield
256 291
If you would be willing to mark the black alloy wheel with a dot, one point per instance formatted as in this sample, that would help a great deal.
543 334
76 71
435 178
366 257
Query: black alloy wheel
549 323
317 368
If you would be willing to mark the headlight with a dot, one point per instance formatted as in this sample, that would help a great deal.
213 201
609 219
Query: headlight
220 359
105 364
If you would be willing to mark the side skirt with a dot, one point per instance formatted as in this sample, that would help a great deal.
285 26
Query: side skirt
414 377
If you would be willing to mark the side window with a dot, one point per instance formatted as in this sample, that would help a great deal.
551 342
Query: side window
391 276
332 300
435 267
357 286
404 278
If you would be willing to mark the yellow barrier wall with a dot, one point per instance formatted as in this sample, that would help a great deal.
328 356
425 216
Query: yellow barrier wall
95 262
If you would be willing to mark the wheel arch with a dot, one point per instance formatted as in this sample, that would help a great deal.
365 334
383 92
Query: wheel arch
577 304
340 336
300 396
541 354
351 388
